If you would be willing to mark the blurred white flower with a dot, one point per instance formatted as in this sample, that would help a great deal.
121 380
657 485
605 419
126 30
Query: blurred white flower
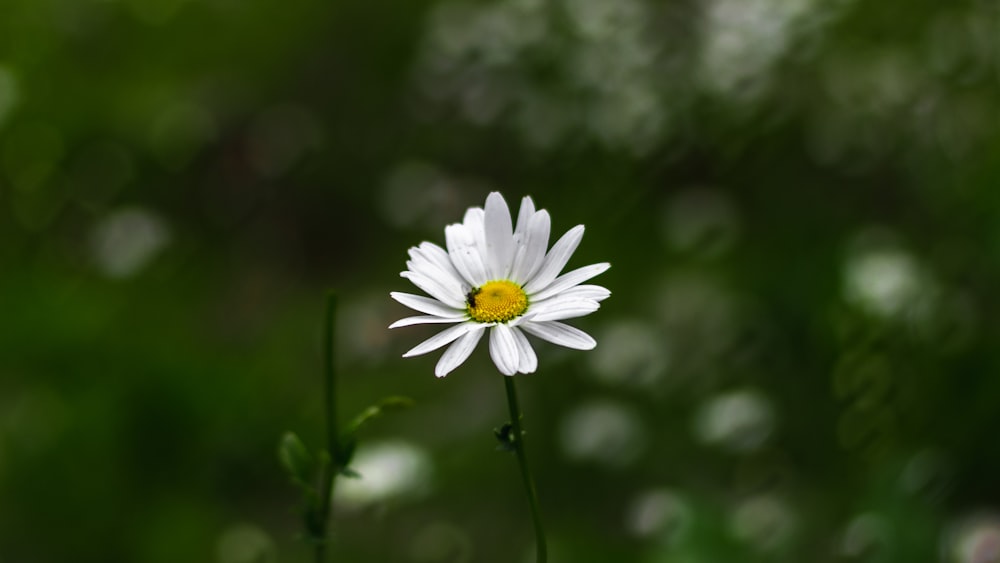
928 474
479 56
388 470
885 280
606 432
128 239
659 513
865 536
737 420
633 353
245 543
975 539
744 38
496 276
764 521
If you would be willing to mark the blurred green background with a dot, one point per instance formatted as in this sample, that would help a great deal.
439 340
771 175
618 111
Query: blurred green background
799 199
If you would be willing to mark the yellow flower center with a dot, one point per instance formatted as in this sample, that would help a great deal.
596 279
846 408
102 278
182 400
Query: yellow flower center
496 302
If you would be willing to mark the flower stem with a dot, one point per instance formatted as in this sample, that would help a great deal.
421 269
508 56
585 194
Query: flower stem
332 465
522 460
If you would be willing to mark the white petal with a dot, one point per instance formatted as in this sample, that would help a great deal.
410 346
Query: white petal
440 339
448 293
499 236
561 309
457 353
555 260
426 305
475 224
425 319
474 220
595 292
433 261
528 361
570 279
439 256
531 247
503 349
558 301
439 284
523 216
526 317
464 254
561 334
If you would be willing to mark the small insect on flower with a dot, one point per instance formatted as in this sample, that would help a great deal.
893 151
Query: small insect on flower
498 276
470 297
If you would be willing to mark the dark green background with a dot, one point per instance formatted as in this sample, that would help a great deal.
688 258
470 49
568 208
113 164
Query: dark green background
799 201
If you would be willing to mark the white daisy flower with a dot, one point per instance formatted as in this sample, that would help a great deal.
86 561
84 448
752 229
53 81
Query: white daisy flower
498 277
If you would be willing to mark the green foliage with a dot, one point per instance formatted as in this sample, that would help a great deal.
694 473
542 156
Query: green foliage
296 459
798 361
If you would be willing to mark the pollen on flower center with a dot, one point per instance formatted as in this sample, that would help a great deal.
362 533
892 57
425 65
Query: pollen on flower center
496 302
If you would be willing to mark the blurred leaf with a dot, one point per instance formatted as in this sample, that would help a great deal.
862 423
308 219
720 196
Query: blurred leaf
296 460
388 404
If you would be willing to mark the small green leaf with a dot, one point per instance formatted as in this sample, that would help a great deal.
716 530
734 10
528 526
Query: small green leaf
396 402
295 458
387 404
505 435
348 444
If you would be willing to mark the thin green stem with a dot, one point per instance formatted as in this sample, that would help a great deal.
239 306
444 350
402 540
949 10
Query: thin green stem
522 460
332 465
330 379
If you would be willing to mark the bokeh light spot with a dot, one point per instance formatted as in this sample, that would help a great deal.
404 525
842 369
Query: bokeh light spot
128 239
632 353
737 421
660 514
441 542
602 431
9 93
764 521
743 39
388 471
866 537
245 543
887 281
929 475
974 539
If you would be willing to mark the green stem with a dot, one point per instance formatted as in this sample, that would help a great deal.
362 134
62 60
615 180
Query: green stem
522 460
332 466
